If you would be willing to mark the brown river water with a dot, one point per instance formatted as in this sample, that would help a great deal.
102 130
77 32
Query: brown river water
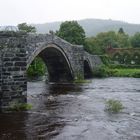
76 112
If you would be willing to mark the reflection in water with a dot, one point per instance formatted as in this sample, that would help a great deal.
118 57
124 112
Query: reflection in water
12 126
76 112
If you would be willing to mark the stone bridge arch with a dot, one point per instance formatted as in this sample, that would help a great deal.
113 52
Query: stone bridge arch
87 69
58 65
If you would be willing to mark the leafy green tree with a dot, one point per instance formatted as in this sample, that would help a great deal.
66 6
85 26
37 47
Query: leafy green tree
135 40
72 32
26 28
91 46
121 31
123 40
99 44
107 39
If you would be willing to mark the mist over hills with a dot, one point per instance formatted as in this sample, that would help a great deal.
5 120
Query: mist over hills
93 26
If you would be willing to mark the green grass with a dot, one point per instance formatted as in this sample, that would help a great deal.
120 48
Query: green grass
113 106
126 72
107 71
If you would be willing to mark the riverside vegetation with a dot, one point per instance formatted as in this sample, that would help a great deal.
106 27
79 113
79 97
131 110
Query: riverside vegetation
113 106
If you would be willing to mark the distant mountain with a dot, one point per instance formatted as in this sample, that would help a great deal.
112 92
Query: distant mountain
93 26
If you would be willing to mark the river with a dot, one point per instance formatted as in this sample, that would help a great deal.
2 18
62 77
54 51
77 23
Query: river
76 112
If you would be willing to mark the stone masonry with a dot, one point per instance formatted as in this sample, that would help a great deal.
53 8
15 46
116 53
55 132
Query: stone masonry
17 53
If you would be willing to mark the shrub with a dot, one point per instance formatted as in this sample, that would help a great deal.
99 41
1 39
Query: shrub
113 106
126 58
136 58
118 57
105 59
136 75
100 72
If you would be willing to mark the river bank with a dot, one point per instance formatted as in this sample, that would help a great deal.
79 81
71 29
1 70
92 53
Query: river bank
107 71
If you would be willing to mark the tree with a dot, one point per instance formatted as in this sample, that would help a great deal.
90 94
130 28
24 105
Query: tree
123 40
135 40
121 31
72 32
106 39
26 28
99 44
92 46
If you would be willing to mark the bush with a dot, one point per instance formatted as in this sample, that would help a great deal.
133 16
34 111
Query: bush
118 58
126 58
136 58
113 106
106 59
136 75
100 72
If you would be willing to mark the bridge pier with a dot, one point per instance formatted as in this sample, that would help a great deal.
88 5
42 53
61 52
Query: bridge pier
13 79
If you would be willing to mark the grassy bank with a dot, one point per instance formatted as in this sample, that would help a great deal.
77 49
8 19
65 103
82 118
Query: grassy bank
126 72
107 71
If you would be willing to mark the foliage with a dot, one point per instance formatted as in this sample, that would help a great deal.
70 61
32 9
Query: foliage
136 74
136 58
37 68
123 66
100 72
99 44
126 58
117 57
106 59
125 72
16 106
26 28
123 40
113 106
91 46
135 40
121 31
72 32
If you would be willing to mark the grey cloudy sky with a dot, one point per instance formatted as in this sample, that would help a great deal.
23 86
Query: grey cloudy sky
13 12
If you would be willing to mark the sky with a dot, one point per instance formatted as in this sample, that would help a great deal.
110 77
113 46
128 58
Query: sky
13 12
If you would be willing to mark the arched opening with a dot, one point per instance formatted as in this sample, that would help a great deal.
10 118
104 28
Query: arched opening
57 63
87 70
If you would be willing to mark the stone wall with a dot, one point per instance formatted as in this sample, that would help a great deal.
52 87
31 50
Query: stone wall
0 75
14 83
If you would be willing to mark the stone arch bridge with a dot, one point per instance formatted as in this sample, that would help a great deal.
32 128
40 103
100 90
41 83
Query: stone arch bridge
65 62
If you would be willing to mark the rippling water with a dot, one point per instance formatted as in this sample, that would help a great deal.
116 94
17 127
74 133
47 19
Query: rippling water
76 112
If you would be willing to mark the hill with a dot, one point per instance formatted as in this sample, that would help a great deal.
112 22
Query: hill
93 26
